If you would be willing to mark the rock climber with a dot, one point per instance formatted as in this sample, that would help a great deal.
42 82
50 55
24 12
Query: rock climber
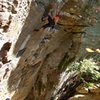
50 20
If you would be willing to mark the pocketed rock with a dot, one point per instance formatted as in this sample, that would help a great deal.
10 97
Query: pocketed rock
3 52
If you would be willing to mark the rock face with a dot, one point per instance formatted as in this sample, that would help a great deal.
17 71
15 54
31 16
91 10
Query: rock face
12 15
85 97
38 58
39 67
83 93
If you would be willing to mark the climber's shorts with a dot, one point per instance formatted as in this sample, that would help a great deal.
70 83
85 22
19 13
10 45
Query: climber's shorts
48 25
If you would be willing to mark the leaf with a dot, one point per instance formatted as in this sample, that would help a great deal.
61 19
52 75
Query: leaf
89 50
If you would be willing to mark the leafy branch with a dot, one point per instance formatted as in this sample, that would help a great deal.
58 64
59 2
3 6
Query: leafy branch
87 69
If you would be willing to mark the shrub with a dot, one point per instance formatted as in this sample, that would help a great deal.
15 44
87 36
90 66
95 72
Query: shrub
87 68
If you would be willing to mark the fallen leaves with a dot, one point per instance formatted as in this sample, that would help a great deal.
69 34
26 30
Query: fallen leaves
98 50
91 50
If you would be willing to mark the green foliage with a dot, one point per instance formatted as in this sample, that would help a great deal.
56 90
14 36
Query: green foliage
89 84
87 67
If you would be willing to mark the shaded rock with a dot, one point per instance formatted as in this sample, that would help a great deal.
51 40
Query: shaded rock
8 99
6 71
5 21
15 2
0 65
82 89
13 10
3 52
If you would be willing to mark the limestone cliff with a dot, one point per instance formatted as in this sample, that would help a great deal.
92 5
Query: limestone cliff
36 59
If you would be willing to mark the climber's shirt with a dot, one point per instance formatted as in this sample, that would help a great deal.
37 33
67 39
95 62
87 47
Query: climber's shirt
50 23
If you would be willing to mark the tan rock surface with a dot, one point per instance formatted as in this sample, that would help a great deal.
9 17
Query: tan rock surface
85 97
